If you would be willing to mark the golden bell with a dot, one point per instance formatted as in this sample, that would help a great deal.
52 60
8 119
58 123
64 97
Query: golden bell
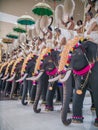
50 88
79 91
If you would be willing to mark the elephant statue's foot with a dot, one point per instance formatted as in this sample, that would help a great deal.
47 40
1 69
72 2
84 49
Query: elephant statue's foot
14 97
31 101
20 97
43 103
57 103
67 122
1 91
93 107
6 94
77 119
96 122
49 108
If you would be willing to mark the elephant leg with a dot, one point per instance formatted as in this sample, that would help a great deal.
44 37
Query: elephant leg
58 95
13 88
61 93
17 90
95 95
77 107
21 89
33 93
92 100
0 84
50 96
6 87
78 102
67 90
3 85
29 88
25 91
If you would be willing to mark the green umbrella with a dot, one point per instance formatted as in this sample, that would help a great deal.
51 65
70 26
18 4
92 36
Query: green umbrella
12 35
19 29
42 9
26 20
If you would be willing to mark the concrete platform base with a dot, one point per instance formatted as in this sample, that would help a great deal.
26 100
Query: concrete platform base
15 116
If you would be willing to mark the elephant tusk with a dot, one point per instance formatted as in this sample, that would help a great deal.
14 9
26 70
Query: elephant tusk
1 75
66 76
35 77
5 77
30 78
10 79
22 78
54 79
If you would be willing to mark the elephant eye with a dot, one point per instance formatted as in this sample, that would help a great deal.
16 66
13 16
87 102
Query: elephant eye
50 61
79 53
73 54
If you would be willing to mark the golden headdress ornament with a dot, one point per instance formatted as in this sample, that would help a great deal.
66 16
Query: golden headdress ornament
3 65
38 62
9 64
30 56
15 64
64 55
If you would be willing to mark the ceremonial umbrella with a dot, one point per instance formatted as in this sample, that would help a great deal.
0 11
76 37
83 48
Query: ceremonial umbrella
42 9
12 35
26 20
7 41
19 29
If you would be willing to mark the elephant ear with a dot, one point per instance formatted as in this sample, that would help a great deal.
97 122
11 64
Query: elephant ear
90 50
55 56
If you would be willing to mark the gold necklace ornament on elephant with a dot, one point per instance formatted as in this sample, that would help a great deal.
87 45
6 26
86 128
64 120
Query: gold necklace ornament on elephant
51 86
80 90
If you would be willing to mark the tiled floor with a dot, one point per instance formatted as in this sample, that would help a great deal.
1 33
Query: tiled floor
14 116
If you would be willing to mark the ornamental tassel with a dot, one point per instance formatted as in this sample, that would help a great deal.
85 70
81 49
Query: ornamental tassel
30 34
69 6
96 6
22 38
36 30
44 23
59 11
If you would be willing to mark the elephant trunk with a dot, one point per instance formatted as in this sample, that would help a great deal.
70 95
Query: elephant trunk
37 98
22 78
1 75
67 92
54 79
4 78
66 76
11 78
41 84
25 89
